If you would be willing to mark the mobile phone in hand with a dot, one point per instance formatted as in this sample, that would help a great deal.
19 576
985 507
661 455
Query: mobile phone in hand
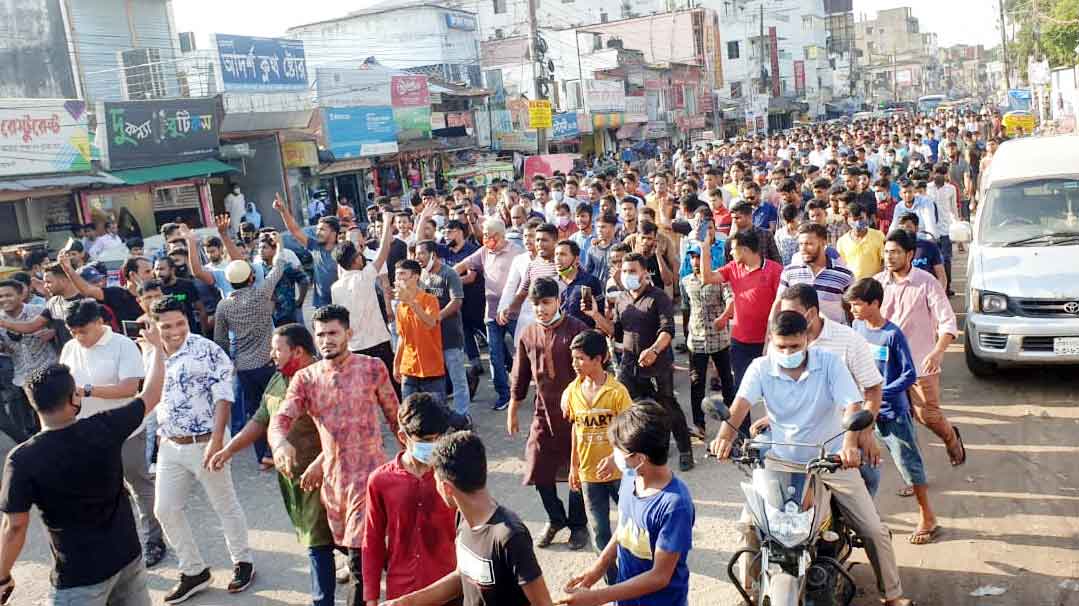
132 330
587 299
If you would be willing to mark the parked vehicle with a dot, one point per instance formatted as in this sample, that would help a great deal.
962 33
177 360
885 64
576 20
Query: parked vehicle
1023 302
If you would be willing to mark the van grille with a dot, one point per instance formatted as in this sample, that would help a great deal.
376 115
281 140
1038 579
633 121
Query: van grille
1038 344
1047 308
991 340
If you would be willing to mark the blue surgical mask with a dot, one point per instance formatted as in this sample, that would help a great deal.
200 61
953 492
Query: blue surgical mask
860 225
623 466
554 319
631 281
421 451
789 361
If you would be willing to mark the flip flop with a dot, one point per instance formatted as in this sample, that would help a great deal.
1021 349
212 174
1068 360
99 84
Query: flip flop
924 537
962 448
905 492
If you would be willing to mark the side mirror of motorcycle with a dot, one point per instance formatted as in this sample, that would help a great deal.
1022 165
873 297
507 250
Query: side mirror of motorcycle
858 421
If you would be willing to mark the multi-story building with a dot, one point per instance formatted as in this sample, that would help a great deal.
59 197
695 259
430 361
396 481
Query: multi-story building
895 59
965 70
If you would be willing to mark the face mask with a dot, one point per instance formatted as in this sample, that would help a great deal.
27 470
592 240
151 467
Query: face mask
789 361
563 222
554 320
421 451
558 196
631 281
291 367
859 225
623 466
440 221
881 196
430 264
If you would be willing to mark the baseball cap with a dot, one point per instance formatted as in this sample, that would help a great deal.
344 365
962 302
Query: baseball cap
90 274
238 272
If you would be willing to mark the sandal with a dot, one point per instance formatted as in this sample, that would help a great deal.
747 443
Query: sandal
905 492
924 537
962 449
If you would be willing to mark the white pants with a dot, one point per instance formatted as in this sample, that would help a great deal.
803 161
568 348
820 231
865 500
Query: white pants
177 466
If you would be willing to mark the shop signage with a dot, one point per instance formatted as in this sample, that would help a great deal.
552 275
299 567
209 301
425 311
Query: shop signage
564 126
340 87
411 101
655 130
773 41
261 64
539 114
799 77
60 214
584 123
607 120
409 91
44 136
360 131
690 122
299 153
605 96
636 110
705 102
462 22
166 131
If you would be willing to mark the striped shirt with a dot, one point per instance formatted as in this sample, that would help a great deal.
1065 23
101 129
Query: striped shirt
853 349
830 284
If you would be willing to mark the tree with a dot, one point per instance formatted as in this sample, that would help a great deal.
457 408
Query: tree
1054 29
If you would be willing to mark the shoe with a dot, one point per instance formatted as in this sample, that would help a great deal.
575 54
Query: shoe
500 406
578 538
697 431
717 385
188 586
685 461
242 575
548 534
681 348
153 553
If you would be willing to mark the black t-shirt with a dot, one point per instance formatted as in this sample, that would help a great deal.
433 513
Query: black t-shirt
495 560
75 478
122 303
868 201
652 265
185 290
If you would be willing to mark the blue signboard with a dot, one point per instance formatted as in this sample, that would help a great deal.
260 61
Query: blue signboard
1019 99
462 22
360 131
564 126
261 64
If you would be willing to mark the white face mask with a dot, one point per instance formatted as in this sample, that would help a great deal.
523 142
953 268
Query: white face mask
558 196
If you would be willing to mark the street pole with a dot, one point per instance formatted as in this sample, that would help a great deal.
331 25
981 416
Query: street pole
538 70
1004 48
761 88
895 73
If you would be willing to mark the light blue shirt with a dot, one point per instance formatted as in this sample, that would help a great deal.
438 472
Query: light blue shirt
809 410
197 376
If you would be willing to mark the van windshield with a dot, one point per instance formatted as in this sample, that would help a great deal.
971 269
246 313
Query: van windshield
1040 212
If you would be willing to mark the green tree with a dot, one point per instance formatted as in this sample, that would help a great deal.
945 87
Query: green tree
1054 29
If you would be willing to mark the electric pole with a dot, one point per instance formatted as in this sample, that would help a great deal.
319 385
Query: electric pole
1004 48
538 70
762 89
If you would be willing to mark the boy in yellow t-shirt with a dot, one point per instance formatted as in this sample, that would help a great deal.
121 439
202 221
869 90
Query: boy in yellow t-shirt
591 402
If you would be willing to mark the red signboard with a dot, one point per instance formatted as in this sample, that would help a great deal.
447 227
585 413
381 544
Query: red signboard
799 77
704 103
409 91
773 40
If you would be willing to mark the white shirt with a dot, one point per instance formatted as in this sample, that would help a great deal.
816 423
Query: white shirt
518 268
355 291
111 360
852 348
104 243
945 197
236 204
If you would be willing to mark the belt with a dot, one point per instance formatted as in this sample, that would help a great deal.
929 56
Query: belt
202 437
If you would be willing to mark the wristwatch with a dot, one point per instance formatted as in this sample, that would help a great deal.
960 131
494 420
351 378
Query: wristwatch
86 389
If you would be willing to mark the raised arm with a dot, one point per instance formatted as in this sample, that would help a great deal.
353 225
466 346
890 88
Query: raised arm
285 211
85 288
198 270
235 252
384 243
707 275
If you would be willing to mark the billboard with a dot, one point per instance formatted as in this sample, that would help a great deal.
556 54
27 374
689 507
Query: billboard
353 132
773 41
799 77
564 126
605 96
164 131
44 136
636 110
411 102
339 87
261 64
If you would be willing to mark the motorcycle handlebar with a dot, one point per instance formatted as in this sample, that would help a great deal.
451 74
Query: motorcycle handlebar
830 463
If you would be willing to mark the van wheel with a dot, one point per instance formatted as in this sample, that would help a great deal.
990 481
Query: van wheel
977 366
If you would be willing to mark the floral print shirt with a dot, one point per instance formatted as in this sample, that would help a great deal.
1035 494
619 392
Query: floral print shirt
197 376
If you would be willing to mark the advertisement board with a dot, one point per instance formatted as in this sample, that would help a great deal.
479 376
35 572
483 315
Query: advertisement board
564 126
299 153
44 136
605 96
636 110
261 64
411 102
409 91
773 41
340 87
164 131
539 114
353 132
799 77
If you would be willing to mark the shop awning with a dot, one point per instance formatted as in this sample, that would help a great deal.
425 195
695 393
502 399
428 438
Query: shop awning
62 181
169 172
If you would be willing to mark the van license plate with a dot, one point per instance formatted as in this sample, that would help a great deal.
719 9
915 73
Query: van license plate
1066 346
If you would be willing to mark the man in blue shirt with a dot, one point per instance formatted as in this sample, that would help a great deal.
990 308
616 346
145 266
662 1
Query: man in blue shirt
926 253
807 393
895 427
655 519
321 248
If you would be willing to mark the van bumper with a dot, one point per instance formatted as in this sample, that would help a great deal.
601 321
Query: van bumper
1019 340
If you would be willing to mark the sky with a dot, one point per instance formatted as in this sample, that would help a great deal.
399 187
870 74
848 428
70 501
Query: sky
955 21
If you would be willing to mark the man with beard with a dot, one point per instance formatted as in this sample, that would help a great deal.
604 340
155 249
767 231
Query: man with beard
813 266
321 249
543 356
61 291
458 248
293 349
541 266
342 394
28 352
182 289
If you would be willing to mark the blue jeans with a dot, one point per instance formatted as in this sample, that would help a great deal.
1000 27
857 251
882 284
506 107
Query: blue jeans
458 375
871 477
501 356
901 441
323 575
249 387
945 244
435 386
597 501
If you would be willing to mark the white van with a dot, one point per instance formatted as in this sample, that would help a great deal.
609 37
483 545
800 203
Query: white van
1023 268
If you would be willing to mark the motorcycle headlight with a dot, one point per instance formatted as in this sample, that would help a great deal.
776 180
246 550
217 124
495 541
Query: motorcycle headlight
789 528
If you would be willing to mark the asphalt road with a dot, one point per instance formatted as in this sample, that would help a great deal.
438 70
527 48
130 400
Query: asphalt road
1010 516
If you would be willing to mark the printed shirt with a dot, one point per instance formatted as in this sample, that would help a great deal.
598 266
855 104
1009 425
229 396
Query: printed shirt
591 420
409 532
787 243
197 377
660 521
28 352
248 315
831 283
918 305
284 295
706 303
343 401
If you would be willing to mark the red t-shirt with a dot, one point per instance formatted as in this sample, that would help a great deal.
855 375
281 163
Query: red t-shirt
754 293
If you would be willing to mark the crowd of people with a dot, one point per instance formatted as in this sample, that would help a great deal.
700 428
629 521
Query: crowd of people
809 270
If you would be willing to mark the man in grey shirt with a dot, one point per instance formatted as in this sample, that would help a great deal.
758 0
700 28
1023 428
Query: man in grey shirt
443 282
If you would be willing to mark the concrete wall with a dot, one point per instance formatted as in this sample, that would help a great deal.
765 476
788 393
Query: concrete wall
34 60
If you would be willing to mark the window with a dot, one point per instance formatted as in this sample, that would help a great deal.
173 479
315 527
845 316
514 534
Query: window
736 90
733 52
597 41
603 17
500 6
499 34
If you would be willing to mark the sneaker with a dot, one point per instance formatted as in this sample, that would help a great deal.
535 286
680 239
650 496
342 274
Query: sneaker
153 553
500 406
578 538
685 461
242 575
188 586
548 534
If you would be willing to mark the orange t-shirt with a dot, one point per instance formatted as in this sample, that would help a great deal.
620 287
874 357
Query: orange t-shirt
421 347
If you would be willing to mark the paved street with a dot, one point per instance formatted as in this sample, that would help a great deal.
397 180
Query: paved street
1010 516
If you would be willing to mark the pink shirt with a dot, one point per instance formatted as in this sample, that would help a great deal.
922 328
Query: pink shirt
921 309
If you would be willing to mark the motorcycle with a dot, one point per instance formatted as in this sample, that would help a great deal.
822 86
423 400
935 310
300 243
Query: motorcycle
803 539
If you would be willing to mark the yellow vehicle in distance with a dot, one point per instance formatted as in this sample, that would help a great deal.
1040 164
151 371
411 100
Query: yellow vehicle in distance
1019 123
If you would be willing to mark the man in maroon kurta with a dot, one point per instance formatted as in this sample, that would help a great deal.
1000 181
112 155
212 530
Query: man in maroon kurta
543 356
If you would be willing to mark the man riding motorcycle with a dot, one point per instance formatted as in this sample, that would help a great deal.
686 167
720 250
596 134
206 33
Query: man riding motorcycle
807 393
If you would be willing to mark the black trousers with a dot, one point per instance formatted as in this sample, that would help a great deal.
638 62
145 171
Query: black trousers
556 513
742 355
384 352
660 389
698 381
